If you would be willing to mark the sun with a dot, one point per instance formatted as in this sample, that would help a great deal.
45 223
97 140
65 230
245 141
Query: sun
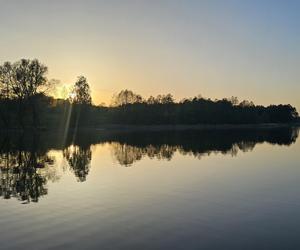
72 96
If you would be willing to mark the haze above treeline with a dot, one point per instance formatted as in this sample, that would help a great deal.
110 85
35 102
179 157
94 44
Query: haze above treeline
26 101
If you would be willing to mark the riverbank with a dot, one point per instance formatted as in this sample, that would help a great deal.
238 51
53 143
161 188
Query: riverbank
179 127
195 127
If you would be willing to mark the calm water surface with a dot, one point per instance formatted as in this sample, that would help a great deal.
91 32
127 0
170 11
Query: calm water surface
212 189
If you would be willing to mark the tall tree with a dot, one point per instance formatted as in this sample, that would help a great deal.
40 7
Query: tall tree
23 81
30 78
6 80
5 91
81 93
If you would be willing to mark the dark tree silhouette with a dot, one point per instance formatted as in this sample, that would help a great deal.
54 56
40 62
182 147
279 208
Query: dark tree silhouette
23 102
131 108
23 81
81 93
126 97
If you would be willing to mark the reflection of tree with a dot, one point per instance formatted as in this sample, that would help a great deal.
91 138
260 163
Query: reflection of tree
294 134
25 166
126 155
246 146
24 175
133 147
79 159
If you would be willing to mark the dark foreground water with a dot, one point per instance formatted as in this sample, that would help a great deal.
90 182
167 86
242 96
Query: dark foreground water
218 189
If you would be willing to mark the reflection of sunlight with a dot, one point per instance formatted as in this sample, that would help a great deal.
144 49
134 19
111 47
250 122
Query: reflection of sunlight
67 124
71 149
66 130
72 96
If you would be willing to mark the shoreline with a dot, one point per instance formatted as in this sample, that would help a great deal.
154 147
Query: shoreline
192 127
179 127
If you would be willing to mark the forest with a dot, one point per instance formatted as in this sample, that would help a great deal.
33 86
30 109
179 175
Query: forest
26 102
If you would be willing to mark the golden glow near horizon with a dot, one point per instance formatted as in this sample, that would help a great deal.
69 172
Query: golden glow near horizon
248 49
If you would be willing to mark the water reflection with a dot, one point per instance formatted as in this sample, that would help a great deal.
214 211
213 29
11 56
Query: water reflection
79 159
26 166
24 174
132 147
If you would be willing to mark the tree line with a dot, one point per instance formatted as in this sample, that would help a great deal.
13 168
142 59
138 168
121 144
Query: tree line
26 101
24 93
131 108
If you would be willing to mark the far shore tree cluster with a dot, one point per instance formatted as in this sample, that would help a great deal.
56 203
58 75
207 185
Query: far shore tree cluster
26 102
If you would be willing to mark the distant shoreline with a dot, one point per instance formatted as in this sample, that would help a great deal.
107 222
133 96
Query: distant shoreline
167 127
193 127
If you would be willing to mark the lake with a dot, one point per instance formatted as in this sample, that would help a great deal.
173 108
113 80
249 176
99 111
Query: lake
193 189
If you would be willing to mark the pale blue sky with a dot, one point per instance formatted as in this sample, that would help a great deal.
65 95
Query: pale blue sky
248 49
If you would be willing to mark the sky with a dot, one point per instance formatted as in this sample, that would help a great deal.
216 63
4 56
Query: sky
249 49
